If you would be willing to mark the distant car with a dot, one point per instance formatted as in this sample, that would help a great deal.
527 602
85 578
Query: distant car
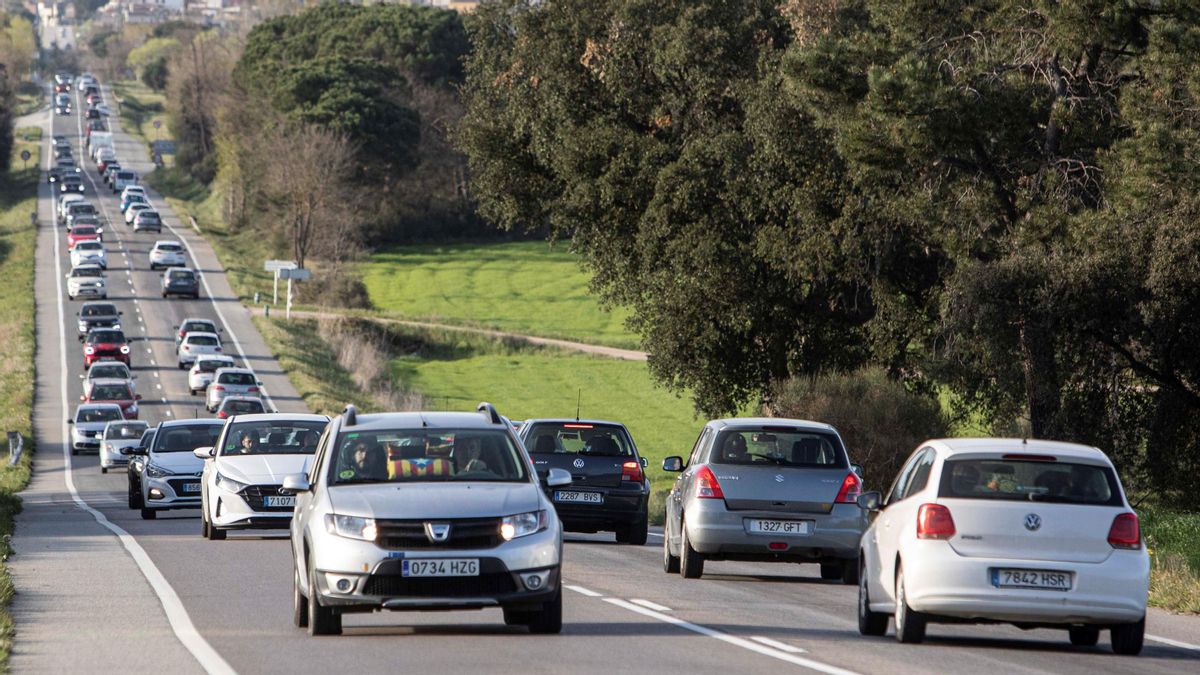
167 254
64 166
202 371
241 405
108 370
195 345
133 209
87 426
62 152
86 281
82 233
765 490
61 204
79 208
98 315
131 198
96 125
245 467
182 282
147 220
119 435
193 324
609 489
231 382
110 171
123 179
171 475
137 462
70 183
105 344
131 190
119 392
91 113
89 252
1033 533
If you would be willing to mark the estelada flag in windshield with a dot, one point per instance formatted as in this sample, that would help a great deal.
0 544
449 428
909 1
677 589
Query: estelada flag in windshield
417 468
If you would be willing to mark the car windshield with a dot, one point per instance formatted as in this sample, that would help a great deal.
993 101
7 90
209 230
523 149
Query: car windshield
186 438
202 341
113 370
181 275
127 431
272 438
211 366
236 378
106 336
1038 480
106 414
111 392
174 248
426 455
98 310
86 272
781 446
148 215
608 440
83 229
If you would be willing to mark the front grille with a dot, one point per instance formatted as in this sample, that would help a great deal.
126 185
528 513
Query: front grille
464 534
177 485
254 496
484 585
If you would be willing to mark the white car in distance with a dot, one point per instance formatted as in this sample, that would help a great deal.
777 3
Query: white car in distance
118 435
1038 534
86 280
89 252
203 371
133 210
167 254
195 345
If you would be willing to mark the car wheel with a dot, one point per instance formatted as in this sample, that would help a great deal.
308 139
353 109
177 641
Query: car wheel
74 450
635 534
164 295
299 602
691 562
910 625
1084 636
213 533
135 498
670 562
103 470
149 514
850 572
203 523
869 622
321 620
549 620
1127 639
831 571
181 365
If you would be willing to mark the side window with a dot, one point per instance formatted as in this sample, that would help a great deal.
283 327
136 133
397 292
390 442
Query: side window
698 449
897 492
920 474
314 470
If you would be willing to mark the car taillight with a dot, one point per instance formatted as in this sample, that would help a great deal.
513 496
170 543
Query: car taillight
222 414
1125 532
632 471
707 486
252 390
182 334
934 522
217 387
218 349
851 488
187 348
124 349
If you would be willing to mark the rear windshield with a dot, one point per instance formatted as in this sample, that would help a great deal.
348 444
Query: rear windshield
98 415
779 446
148 215
242 407
102 370
211 366
124 175
170 247
1035 481
186 438
77 209
271 438
98 310
106 336
199 326
202 340
187 275
578 438
111 392
127 431
83 229
426 455
237 378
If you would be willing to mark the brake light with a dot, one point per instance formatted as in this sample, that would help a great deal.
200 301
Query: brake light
851 488
577 426
187 348
632 471
1125 532
252 390
218 349
934 522
222 414
1030 458
182 334
217 387
707 486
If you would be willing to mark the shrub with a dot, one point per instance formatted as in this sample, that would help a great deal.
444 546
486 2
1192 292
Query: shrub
880 421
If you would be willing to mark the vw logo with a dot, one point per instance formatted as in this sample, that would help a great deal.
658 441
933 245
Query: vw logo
437 532
578 463
1033 522
778 478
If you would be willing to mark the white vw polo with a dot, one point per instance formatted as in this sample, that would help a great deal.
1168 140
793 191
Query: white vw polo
1033 533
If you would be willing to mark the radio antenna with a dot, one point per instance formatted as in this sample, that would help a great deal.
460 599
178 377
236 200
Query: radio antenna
578 398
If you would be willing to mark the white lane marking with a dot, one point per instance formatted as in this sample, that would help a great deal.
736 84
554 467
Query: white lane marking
782 646
654 534
733 640
177 616
160 387
651 605
1174 643
583 591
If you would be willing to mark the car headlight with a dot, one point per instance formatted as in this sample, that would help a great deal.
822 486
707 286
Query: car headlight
229 484
351 527
132 407
155 471
83 327
523 524
89 350
116 326
124 349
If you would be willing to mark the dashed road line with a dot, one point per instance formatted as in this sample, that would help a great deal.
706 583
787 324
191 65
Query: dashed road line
1174 643
650 605
583 591
782 646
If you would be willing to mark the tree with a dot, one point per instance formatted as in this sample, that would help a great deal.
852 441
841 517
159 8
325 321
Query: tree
198 82
6 120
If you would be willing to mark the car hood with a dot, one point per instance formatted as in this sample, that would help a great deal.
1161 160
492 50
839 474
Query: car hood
178 462
262 469
434 500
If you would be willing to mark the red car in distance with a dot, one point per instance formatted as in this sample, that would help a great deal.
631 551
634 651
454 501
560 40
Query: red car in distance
105 344
82 232
109 390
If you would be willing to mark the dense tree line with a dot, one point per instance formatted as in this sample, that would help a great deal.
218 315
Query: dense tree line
998 197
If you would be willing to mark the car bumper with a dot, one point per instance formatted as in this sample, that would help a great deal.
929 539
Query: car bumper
620 508
78 443
168 492
110 460
948 584
231 511
717 532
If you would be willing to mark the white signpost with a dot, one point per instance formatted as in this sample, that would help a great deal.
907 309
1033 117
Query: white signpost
290 274
277 266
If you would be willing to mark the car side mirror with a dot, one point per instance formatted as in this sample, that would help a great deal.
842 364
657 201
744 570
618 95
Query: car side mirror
857 469
645 462
120 313
673 464
869 501
558 478
258 382
203 453
139 451
137 397
70 421
296 482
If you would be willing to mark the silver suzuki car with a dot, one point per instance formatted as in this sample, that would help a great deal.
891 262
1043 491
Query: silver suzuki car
765 490
424 511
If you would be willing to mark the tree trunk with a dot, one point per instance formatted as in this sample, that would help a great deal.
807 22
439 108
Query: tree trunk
1041 378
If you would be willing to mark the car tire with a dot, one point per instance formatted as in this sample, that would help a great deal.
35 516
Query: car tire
299 602
1084 636
1127 638
691 562
850 571
135 498
831 571
74 451
212 532
149 514
910 625
549 620
181 365
103 469
203 522
164 295
321 620
637 533
869 622
670 562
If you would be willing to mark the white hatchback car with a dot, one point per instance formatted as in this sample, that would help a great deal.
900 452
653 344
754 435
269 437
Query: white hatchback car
167 254
135 209
203 371
195 345
1033 533
118 435
89 252
86 281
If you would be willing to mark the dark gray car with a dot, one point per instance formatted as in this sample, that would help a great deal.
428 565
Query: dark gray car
98 315
180 281
765 490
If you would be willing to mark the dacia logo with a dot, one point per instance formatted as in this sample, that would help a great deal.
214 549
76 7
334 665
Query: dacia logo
437 532
1033 522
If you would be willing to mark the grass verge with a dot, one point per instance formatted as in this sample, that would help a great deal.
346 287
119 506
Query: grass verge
1174 542
18 198
311 366
140 106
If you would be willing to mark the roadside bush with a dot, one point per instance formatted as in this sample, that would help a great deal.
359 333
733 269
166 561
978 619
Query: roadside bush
880 421
335 289
365 352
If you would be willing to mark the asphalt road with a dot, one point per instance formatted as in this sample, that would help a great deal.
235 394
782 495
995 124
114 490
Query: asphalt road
101 590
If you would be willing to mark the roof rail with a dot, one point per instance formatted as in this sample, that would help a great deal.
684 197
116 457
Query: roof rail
489 412
351 416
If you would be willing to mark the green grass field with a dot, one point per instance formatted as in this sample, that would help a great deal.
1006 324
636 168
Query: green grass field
140 106
522 287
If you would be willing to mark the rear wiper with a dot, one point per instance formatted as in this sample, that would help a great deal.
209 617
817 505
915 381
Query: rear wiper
777 460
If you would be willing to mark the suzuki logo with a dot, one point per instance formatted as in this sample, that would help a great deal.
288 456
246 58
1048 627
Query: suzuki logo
578 463
1033 522
437 532
778 478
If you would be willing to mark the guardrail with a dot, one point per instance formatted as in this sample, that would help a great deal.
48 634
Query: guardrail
16 445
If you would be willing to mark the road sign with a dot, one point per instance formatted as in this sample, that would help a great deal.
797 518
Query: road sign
273 265
297 274
25 155
157 124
